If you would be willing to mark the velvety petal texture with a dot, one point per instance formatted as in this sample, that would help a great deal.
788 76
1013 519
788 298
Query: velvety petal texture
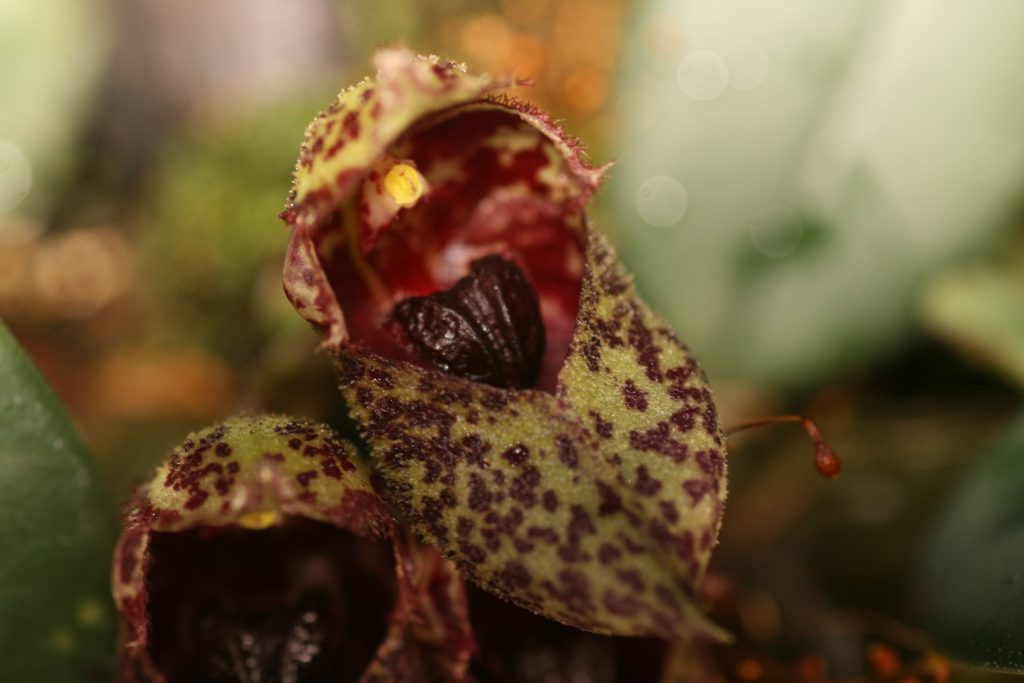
517 490
630 378
592 496
260 551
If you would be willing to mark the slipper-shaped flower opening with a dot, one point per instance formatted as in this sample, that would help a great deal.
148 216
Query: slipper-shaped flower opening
489 179
436 225
259 552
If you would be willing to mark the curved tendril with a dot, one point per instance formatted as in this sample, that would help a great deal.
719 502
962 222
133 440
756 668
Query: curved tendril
825 459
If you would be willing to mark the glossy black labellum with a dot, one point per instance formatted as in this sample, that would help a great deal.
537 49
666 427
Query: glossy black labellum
486 328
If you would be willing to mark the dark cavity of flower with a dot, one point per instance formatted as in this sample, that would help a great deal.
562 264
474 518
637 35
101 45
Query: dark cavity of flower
302 602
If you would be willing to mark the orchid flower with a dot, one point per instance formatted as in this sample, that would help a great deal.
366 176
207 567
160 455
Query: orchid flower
526 413
259 552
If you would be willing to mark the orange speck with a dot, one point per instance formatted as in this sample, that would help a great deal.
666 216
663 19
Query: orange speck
884 660
587 31
585 89
937 667
750 670
811 669
486 39
80 272
137 384
528 56
526 12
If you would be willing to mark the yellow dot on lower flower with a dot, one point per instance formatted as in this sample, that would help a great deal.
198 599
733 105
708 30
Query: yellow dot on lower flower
404 184
90 612
259 520
62 640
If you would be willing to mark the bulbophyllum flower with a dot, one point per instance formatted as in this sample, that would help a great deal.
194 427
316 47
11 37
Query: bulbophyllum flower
260 553
526 411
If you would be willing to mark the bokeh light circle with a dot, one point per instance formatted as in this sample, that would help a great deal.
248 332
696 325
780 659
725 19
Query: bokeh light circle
748 64
776 230
15 175
661 200
702 75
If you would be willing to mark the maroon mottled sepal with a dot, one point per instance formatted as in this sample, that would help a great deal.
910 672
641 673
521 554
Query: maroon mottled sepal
430 637
528 499
648 403
260 551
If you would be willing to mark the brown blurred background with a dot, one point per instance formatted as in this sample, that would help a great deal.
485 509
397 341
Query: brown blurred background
141 269
146 148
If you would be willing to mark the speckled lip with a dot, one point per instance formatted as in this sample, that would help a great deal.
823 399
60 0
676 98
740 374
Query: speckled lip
269 526
593 499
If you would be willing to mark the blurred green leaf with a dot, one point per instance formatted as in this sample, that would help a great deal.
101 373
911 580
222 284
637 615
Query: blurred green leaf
979 310
57 531
212 253
823 157
973 571
52 55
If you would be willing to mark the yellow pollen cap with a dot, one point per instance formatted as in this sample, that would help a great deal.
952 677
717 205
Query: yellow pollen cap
404 184
259 520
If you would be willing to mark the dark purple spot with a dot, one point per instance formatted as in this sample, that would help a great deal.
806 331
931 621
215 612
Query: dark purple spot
603 427
567 452
697 488
196 499
473 553
634 396
479 496
515 574
610 503
645 483
642 341
622 605
608 553
631 578
516 455
658 440
669 511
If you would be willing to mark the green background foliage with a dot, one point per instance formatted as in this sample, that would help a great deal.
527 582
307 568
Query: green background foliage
973 572
57 531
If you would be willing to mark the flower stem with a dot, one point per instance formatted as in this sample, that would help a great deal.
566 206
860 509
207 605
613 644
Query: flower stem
825 459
